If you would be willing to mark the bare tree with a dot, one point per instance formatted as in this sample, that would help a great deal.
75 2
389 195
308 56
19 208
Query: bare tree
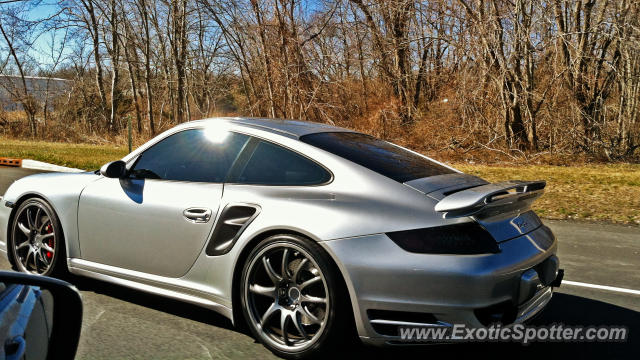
515 76
590 58
19 91
88 16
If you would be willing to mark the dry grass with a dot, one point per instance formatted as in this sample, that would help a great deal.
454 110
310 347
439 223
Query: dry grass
586 192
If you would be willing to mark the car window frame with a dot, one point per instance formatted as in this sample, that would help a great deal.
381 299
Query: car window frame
239 160
134 161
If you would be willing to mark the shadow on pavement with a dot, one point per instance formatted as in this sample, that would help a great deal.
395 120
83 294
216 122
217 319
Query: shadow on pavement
167 305
564 308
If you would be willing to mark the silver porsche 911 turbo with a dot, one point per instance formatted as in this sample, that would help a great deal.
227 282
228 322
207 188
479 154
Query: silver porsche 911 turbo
301 232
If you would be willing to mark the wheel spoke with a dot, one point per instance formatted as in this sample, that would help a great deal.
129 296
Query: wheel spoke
43 224
29 220
23 245
46 236
24 229
35 261
302 264
35 220
47 248
314 319
312 299
285 264
297 321
26 258
275 278
284 325
43 260
310 282
269 291
267 314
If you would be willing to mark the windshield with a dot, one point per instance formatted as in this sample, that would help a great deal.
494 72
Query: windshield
378 155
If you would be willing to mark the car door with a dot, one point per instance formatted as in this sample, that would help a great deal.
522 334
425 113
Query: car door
158 219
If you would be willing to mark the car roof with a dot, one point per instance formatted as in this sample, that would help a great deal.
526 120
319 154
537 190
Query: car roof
290 128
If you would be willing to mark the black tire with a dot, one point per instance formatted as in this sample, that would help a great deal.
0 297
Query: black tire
38 210
338 327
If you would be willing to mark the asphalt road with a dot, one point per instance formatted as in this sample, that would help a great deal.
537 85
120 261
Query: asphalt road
120 323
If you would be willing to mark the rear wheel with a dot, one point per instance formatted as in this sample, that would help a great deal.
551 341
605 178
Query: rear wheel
292 297
36 239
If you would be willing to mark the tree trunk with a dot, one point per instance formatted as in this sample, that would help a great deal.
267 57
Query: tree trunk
115 67
266 62
93 27
27 101
132 79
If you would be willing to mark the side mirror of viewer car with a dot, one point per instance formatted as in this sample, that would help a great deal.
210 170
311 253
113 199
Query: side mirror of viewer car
115 169
40 317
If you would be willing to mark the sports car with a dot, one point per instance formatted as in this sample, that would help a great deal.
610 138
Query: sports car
304 233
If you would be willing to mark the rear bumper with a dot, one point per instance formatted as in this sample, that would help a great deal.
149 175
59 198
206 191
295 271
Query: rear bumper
440 289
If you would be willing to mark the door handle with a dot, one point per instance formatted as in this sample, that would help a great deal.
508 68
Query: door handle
197 215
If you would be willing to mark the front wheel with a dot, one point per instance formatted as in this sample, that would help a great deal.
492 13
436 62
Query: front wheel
292 297
36 240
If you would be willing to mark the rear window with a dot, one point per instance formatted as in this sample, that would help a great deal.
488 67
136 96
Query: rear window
380 156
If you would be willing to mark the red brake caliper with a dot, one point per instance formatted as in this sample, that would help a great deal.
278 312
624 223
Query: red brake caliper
50 241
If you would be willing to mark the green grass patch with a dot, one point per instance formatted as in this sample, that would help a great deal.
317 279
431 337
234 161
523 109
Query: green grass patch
81 156
588 192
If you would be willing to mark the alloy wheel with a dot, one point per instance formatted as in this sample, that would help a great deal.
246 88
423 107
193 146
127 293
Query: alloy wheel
287 297
34 239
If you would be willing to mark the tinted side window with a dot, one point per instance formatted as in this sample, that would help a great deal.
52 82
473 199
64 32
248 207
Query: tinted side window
378 155
191 155
271 164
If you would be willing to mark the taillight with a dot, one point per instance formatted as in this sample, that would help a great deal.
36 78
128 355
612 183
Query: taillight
461 239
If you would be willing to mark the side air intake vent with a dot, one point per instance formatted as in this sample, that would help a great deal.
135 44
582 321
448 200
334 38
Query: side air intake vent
233 220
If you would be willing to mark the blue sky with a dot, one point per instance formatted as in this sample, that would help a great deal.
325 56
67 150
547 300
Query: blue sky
43 10
37 10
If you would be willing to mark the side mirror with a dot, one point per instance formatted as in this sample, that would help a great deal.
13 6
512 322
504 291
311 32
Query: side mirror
40 317
115 169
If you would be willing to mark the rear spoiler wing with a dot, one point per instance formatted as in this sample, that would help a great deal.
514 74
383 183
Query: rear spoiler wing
486 197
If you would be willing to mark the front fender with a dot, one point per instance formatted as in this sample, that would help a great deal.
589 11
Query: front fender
60 190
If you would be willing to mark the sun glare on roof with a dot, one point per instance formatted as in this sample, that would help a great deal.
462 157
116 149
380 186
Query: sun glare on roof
216 135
